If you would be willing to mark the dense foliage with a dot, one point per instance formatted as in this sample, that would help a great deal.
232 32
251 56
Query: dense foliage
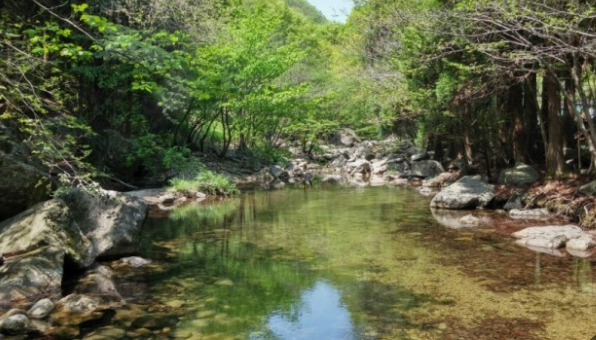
124 89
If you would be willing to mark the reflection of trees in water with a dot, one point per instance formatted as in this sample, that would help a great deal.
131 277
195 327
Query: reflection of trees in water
383 306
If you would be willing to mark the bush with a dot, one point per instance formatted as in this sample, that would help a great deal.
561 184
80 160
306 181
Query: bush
207 182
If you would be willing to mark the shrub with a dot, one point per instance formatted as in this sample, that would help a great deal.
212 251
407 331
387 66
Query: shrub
207 182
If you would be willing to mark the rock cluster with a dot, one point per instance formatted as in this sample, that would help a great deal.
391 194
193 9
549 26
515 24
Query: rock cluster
73 231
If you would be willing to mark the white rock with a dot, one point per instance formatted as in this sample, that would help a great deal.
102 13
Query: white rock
79 303
552 237
569 231
554 242
581 243
135 261
529 214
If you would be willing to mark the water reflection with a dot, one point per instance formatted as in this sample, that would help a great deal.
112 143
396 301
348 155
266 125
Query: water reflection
321 316
355 264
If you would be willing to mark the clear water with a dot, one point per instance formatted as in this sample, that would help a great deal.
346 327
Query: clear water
345 264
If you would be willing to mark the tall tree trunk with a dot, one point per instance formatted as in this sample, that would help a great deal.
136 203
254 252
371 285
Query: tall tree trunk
555 162
534 139
467 131
569 128
518 134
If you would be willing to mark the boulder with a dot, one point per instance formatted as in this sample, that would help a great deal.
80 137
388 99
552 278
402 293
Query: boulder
426 169
339 161
332 179
440 180
32 275
421 156
345 137
588 189
15 325
516 201
98 282
279 173
398 165
47 223
362 167
529 214
521 174
21 186
469 192
111 220
552 237
41 309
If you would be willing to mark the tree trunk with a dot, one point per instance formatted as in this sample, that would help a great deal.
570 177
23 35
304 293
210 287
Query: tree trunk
518 134
555 162
534 139
569 128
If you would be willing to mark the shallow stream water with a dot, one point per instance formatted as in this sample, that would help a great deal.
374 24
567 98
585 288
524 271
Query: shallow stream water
345 264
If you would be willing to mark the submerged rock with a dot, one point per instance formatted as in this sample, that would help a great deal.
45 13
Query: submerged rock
32 274
467 193
41 309
111 220
454 219
98 282
106 333
15 324
469 220
520 174
78 303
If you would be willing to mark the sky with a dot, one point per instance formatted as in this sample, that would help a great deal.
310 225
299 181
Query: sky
334 9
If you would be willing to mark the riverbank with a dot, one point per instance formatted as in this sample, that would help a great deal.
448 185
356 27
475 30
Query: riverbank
69 236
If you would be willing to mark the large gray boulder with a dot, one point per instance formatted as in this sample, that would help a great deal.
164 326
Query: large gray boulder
111 220
48 223
21 186
520 174
345 137
588 189
426 169
469 192
35 244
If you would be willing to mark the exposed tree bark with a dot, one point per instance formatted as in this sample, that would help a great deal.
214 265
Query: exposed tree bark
518 133
555 162
534 141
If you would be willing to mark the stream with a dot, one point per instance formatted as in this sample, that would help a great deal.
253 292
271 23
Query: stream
344 264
